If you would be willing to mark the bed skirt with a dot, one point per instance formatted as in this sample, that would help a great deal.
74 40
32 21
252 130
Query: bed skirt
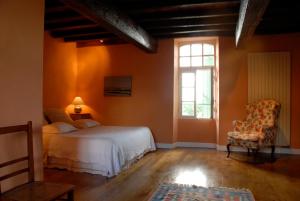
75 166
92 168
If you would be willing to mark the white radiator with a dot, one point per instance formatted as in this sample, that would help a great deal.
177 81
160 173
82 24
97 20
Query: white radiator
269 77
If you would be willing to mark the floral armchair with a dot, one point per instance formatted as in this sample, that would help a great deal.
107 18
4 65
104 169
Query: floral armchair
258 129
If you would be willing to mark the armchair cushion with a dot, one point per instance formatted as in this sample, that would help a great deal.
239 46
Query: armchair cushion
255 137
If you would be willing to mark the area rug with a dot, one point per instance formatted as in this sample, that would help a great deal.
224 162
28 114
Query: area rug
182 192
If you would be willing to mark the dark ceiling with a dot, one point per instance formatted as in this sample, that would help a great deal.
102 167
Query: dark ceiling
169 19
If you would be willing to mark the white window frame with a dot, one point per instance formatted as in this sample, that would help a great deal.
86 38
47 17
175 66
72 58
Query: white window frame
193 69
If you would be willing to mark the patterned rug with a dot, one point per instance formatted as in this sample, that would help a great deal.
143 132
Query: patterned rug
182 192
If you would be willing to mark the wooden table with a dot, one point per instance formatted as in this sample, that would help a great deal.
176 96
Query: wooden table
77 116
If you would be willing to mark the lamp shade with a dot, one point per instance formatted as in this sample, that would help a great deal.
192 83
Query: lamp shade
78 101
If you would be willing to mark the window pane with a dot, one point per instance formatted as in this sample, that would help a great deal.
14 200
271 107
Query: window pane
203 86
188 94
203 111
184 50
196 61
187 109
184 62
188 79
196 49
208 49
208 61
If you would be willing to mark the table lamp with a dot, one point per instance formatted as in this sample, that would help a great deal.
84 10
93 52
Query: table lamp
77 102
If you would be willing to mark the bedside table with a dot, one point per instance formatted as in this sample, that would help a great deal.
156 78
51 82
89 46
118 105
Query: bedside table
77 116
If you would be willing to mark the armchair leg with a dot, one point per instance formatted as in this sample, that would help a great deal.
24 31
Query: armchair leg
255 152
228 150
248 152
70 195
273 151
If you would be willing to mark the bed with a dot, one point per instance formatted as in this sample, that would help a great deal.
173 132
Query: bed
105 150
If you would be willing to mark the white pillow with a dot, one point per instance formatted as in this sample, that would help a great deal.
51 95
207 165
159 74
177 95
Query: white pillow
58 127
85 123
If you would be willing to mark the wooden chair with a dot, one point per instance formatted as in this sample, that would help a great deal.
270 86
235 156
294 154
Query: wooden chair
31 191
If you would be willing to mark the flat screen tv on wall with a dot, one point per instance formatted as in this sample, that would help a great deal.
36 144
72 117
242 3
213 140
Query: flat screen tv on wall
117 85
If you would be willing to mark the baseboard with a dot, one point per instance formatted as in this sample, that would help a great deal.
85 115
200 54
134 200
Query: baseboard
165 146
186 144
278 150
196 145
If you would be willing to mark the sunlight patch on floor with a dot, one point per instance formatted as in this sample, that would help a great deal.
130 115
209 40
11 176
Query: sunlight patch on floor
192 177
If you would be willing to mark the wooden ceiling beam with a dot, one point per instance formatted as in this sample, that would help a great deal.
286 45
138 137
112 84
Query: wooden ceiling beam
192 25
196 34
82 31
68 24
279 27
251 12
164 31
66 14
281 12
52 3
189 15
64 20
278 23
56 9
229 27
190 22
114 21
75 35
281 18
89 37
183 6
191 32
279 30
70 27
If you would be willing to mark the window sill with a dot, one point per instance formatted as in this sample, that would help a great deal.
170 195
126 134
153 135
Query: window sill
196 119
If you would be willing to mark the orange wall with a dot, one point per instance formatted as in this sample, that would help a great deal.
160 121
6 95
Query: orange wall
151 103
232 85
233 79
193 130
60 72
148 71
21 73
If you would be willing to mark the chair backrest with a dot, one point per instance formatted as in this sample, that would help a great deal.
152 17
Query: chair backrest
263 112
27 128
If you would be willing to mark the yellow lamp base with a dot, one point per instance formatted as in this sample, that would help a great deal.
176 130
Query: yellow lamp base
77 109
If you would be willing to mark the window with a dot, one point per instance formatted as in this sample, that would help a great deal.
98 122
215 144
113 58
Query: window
196 66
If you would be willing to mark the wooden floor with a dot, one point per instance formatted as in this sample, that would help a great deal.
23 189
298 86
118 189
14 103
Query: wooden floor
269 181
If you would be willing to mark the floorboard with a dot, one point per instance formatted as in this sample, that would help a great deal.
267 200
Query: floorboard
277 180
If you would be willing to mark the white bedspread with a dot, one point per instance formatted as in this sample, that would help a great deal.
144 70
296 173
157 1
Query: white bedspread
107 148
